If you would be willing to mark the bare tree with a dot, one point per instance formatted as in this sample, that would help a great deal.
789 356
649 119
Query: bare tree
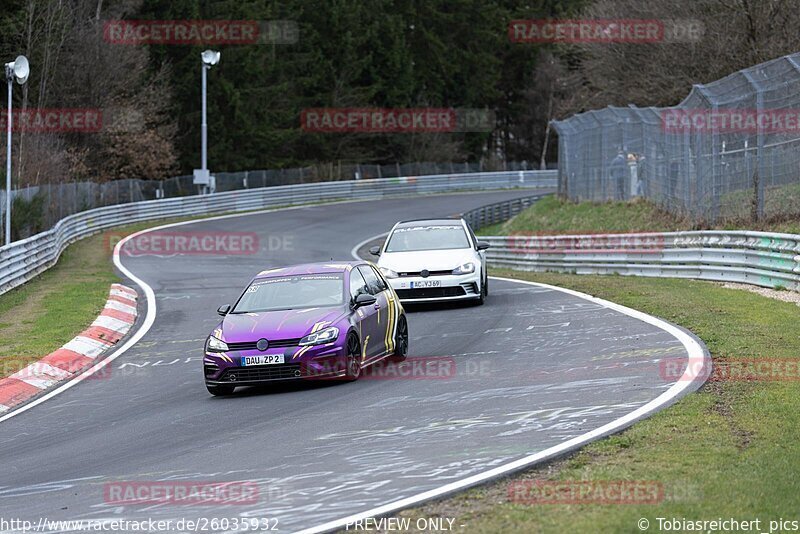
735 34
73 66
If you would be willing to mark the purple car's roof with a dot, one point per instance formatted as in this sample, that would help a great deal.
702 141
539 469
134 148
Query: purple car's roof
311 268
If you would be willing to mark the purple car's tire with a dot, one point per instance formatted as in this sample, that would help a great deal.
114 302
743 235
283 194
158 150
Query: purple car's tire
401 340
352 358
220 391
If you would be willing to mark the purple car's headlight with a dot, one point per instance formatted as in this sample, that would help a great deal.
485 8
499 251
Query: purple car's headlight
326 335
216 345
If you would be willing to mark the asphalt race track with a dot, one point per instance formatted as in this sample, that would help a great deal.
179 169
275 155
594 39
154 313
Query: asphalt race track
533 367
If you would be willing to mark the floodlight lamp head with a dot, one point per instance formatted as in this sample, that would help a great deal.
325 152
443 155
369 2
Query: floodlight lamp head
19 70
210 58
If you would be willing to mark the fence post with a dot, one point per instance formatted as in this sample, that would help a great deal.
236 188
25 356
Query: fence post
759 175
591 185
714 190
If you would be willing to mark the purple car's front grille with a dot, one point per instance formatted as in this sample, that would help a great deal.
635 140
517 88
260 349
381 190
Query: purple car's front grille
273 343
261 372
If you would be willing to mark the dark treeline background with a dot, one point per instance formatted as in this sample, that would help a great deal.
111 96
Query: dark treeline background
350 53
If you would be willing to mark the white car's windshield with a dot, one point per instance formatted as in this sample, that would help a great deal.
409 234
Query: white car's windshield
292 292
427 237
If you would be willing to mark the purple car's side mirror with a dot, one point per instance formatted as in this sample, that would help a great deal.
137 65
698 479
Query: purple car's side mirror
365 299
223 310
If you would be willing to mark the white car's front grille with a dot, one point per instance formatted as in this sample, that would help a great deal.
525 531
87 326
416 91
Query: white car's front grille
430 273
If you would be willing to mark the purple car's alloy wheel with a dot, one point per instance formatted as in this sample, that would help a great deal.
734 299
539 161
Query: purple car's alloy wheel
353 358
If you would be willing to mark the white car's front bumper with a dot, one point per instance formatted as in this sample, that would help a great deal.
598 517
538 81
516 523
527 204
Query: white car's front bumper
447 287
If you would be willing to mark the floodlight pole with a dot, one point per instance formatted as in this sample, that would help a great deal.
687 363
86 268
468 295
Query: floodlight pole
204 124
201 176
9 120
18 69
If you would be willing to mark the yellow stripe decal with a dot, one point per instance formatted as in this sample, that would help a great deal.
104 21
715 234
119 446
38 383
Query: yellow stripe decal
389 339
301 351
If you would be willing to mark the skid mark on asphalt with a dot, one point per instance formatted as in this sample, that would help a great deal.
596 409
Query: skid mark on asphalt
516 391
520 290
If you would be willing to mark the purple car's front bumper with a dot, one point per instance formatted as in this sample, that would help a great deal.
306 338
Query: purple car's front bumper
314 363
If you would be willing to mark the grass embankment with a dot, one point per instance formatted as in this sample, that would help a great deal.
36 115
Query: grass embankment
780 203
552 215
43 314
729 450
40 316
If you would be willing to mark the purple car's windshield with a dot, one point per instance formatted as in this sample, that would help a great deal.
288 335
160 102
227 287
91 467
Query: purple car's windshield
427 237
292 292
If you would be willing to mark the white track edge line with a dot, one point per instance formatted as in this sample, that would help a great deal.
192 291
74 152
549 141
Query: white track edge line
150 294
689 379
151 304
691 345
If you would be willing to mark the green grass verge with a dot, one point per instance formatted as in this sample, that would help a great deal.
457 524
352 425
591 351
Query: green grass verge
781 203
45 313
726 451
42 315
552 215
730 450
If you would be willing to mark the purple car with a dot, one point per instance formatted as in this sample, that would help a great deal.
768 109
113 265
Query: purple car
311 321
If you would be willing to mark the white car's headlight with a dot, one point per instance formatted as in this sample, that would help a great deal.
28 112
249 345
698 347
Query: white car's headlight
216 345
326 335
465 268
388 273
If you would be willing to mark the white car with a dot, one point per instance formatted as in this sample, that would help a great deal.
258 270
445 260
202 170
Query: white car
434 260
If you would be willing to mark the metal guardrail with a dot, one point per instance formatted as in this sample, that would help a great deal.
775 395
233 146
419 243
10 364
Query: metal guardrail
757 258
23 260
498 212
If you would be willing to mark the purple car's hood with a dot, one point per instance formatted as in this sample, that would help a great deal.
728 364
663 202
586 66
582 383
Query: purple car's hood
281 324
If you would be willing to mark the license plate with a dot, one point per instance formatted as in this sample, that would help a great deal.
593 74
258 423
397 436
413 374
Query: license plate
426 283
266 359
